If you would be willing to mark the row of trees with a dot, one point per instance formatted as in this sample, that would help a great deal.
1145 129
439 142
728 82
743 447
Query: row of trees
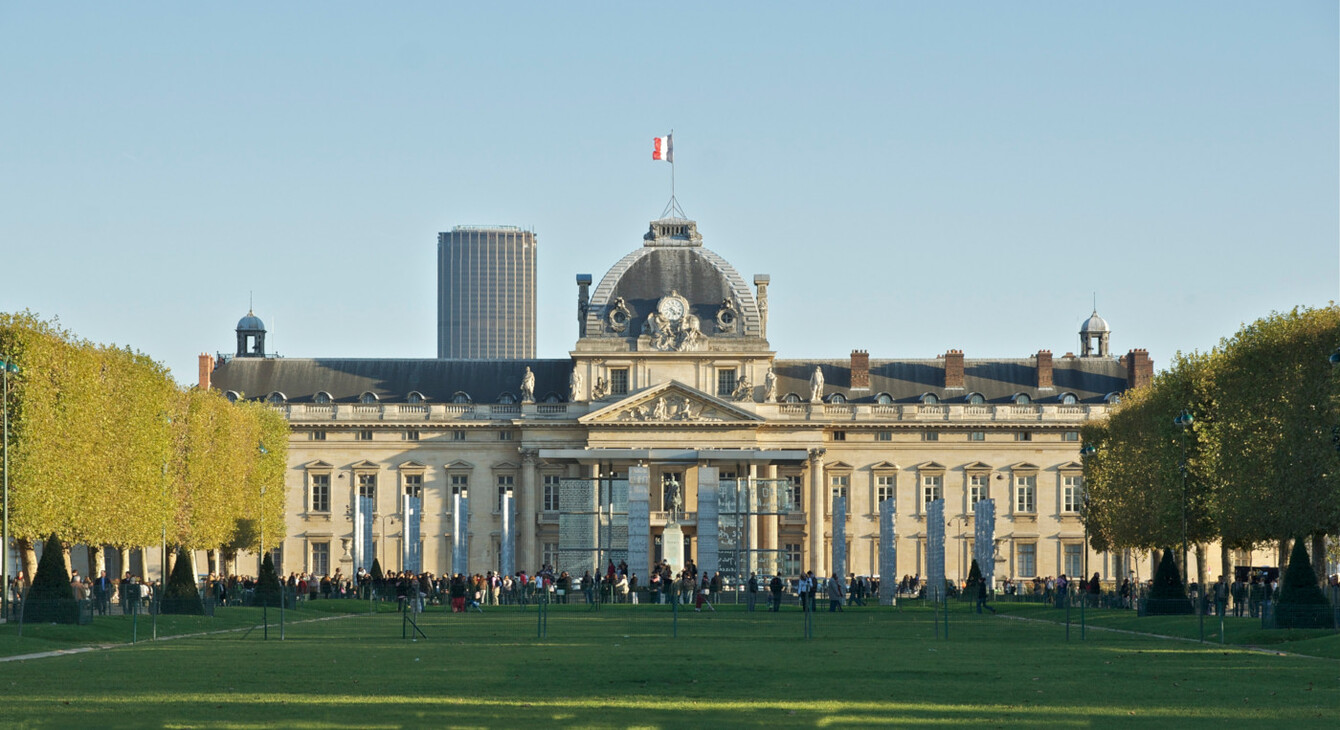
1256 462
106 449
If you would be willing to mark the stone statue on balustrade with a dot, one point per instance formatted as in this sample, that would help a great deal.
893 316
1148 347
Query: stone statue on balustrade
528 386
817 386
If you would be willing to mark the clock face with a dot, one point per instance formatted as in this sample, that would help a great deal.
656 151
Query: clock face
671 308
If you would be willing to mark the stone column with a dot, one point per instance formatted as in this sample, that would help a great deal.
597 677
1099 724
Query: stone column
527 499
814 515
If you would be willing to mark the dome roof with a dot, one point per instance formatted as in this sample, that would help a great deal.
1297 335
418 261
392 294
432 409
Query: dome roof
672 261
250 323
1094 324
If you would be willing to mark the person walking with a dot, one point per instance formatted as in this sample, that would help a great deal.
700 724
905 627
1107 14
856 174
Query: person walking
704 592
835 593
981 596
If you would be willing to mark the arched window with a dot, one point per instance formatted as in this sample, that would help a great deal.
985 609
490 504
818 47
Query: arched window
552 397
1069 399
276 398
976 399
1113 398
930 399
1022 399
460 397
321 397
837 398
791 398
415 397
507 399
884 399
368 397
232 396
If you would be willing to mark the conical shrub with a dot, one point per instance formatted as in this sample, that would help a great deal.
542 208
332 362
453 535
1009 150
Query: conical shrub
1302 604
182 596
50 599
1168 595
268 590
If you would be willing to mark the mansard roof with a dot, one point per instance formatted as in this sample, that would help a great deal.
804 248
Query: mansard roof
998 380
391 380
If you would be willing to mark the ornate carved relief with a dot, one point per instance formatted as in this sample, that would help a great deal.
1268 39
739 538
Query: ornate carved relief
672 408
672 328
728 317
618 316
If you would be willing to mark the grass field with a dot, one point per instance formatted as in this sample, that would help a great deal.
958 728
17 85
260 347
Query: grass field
620 667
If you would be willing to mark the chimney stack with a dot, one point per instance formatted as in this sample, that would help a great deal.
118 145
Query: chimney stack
860 370
1139 369
206 370
954 369
583 302
1044 369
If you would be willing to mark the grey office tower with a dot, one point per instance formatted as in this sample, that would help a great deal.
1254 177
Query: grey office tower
486 292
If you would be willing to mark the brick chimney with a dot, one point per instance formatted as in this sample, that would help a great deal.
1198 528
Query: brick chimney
954 369
1139 369
860 369
206 370
1044 369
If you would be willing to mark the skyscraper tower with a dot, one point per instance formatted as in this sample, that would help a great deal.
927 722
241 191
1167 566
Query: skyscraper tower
486 292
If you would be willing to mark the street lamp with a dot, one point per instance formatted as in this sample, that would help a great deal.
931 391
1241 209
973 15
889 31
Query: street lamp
7 366
1184 422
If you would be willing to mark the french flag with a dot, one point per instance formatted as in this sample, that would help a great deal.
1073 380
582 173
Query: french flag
664 149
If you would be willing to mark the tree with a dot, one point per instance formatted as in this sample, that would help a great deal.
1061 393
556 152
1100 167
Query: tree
182 596
1273 437
974 574
1302 604
269 590
51 598
1168 594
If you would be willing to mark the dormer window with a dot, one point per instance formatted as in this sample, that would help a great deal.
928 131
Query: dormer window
460 397
553 398
837 398
1069 399
791 398
1112 399
976 399
232 396
1022 399
276 398
368 397
884 399
322 398
507 399
930 399
414 397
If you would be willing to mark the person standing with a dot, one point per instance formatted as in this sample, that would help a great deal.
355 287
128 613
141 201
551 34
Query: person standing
835 593
775 585
102 591
1221 596
751 591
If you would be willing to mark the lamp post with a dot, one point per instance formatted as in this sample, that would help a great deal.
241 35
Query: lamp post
7 366
1184 422
1085 451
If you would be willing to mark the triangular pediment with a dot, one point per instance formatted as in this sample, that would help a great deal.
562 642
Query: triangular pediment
931 466
1071 466
978 466
885 466
365 465
669 402
1025 466
412 465
505 466
459 464
319 465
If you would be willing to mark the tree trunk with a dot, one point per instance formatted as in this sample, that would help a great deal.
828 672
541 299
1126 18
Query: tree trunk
1201 552
95 562
1226 561
1319 556
171 563
124 555
1283 560
65 556
29 558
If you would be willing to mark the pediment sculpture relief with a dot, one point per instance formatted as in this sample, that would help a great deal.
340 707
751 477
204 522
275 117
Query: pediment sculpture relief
672 408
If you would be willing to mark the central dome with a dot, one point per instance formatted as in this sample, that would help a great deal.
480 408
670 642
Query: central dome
672 262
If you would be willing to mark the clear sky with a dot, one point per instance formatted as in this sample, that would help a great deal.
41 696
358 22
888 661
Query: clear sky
914 177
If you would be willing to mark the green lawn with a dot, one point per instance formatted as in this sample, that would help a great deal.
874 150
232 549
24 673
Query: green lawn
621 667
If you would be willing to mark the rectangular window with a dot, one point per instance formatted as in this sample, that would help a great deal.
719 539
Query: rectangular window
363 435
977 435
317 435
367 486
505 484
930 436
504 435
791 559
618 381
1023 436
977 488
414 485
411 435
551 492
794 493
932 488
549 553
884 436
321 558
1027 558
320 501
837 487
1072 493
884 487
457 435
1025 494
1070 436
459 484
1073 562
839 435
725 382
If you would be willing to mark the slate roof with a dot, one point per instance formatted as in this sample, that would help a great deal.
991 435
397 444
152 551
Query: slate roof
998 380
392 380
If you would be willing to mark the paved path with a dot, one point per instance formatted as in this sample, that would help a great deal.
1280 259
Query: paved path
1242 647
104 647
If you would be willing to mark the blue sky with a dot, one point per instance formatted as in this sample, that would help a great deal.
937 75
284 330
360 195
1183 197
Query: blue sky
914 177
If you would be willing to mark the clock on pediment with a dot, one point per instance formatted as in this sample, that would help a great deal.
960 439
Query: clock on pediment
673 306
